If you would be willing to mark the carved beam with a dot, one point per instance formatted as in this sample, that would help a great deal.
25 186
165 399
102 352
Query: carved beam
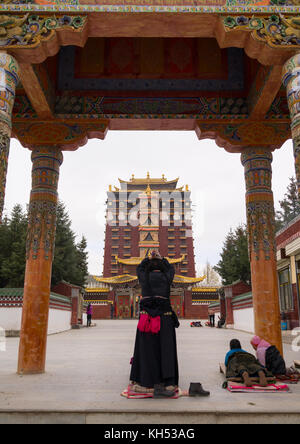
271 39
33 38
234 136
264 91
39 89
69 135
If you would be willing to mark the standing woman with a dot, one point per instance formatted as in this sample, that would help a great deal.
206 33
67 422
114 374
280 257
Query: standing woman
89 313
154 365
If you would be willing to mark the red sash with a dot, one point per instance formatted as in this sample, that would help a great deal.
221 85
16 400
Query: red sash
147 324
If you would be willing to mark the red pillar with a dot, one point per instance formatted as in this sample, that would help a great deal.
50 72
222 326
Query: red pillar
40 250
262 246
229 308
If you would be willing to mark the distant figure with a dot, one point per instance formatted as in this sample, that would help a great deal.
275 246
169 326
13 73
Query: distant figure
89 313
112 310
241 364
131 311
221 322
211 318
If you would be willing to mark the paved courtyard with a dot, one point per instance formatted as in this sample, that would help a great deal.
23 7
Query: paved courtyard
87 369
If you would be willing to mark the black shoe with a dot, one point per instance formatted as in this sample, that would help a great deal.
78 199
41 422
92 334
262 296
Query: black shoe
196 389
160 391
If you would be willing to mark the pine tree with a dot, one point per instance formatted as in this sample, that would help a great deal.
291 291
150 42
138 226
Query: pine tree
82 262
289 206
65 254
13 241
234 264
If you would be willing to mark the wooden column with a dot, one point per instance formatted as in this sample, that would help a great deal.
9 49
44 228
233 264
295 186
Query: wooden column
9 78
291 80
40 250
229 307
262 247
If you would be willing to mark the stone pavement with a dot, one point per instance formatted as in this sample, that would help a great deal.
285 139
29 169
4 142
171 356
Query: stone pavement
88 368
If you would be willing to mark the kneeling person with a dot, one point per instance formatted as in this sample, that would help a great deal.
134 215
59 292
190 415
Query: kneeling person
240 363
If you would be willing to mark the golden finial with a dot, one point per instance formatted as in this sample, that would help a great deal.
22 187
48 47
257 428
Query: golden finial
163 176
132 177
148 175
110 188
186 188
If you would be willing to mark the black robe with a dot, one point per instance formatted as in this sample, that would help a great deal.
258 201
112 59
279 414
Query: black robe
155 355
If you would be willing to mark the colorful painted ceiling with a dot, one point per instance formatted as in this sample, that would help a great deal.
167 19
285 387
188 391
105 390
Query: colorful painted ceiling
209 66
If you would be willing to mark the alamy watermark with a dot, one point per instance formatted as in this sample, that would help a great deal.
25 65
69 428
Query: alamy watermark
136 208
2 340
296 340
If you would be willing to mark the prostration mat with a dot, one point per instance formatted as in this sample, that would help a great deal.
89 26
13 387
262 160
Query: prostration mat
131 394
235 387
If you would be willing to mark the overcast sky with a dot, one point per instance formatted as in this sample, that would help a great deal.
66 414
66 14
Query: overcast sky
215 178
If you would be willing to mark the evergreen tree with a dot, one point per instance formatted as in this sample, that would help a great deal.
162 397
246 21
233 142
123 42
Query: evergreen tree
65 254
289 206
70 260
13 249
82 262
234 264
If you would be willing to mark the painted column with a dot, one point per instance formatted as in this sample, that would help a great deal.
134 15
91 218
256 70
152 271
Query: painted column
9 78
262 248
229 308
291 80
40 250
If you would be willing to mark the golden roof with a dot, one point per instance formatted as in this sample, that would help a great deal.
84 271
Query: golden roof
187 280
127 278
138 260
121 279
149 180
205 289
97 290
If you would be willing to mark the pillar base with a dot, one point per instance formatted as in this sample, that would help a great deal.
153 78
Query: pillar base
33 372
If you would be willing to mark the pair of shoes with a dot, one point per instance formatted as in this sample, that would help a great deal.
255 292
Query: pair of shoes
160 391
196 389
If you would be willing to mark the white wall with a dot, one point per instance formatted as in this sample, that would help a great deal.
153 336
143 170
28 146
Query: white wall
244 319
10 318
59 320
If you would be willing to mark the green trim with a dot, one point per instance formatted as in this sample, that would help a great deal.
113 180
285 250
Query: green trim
242 297
239 9
18 293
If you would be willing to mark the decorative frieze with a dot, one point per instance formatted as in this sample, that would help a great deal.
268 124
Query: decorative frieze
276 30
31 30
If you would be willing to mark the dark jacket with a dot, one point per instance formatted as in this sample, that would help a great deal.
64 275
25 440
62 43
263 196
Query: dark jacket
274 361
156 283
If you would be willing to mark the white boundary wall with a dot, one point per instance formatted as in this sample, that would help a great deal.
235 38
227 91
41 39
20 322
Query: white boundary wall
244 319
59 320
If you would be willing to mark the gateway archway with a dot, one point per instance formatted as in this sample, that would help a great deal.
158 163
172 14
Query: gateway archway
86 69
